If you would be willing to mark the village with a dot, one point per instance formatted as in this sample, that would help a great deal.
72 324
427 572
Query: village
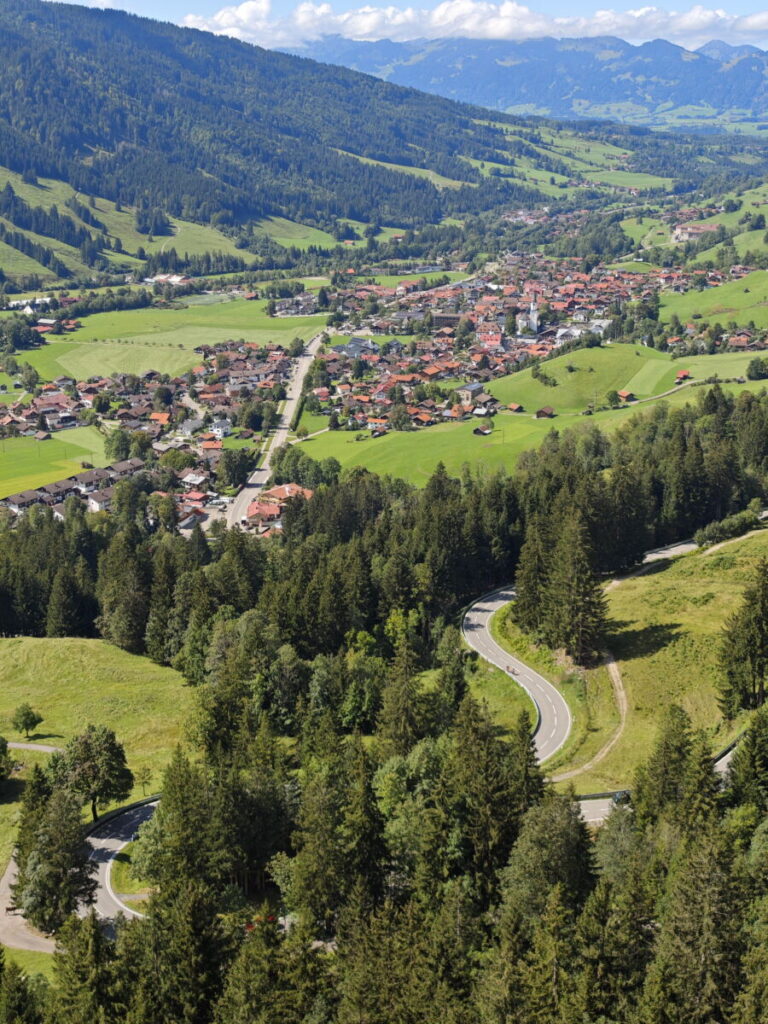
402 357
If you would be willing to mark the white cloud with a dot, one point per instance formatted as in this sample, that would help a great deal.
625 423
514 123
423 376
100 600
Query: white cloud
478 19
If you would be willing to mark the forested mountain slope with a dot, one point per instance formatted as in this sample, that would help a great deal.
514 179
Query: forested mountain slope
210 129
127 107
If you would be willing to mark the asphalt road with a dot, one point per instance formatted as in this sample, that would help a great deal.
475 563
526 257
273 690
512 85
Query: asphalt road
554 716
106 842
239 507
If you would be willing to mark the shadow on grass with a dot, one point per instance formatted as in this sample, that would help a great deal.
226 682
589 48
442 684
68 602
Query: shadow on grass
38 736
626 643
11 790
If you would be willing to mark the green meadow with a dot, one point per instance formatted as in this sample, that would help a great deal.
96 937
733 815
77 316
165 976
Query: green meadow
26 463
739 301
76 682
413 455
137 340
665 633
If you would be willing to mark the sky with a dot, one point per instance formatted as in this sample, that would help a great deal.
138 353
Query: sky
276 23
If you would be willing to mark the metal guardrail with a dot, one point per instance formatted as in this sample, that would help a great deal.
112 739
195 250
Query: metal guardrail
119 811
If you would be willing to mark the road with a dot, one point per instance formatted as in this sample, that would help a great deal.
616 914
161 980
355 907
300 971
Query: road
239 507
554 716
106 841
552 730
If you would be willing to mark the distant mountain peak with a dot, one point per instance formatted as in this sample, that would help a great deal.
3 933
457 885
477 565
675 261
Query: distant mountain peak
652 83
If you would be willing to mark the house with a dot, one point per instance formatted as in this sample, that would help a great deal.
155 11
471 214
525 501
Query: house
626 396
23 500
284 492
101 501
468 393
263 512
515 407
221 428
682 375
545 413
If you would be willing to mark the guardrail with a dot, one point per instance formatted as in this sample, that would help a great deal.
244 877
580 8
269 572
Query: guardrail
118 811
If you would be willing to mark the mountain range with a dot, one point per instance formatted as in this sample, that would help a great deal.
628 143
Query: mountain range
656 83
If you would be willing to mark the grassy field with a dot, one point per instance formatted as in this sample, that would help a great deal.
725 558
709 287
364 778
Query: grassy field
26 463
413 455
291 234
75 682
186 238
739 301
664 633
589 696
417 172
31 963
137 340
504 698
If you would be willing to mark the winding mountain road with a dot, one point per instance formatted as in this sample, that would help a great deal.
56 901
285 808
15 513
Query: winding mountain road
554 717
552 729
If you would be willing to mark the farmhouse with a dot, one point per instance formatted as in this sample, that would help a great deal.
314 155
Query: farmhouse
545 413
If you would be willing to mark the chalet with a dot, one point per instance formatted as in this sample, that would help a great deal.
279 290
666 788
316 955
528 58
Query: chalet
515 407
23 500
101 501
284 492
126 468
263 512
626 396
545 413
682 375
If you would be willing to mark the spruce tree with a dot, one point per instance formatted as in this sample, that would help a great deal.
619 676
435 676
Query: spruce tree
66 613
532 576
21 1001
573 602
659 782
398 722
83 968
744 648
58 873
694 974
546 977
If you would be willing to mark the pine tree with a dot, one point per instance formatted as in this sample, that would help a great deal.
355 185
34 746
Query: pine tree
573 600
748 774
658 783
122 596
744 648
527 778
20 1000
58 873
161 603
546 976
694 974
398 722
37 792
451 679
66 613
361 826
484 808
189 954
701 788
83 966
532 577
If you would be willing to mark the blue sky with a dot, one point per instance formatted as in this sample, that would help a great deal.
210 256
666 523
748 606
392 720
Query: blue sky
289 22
